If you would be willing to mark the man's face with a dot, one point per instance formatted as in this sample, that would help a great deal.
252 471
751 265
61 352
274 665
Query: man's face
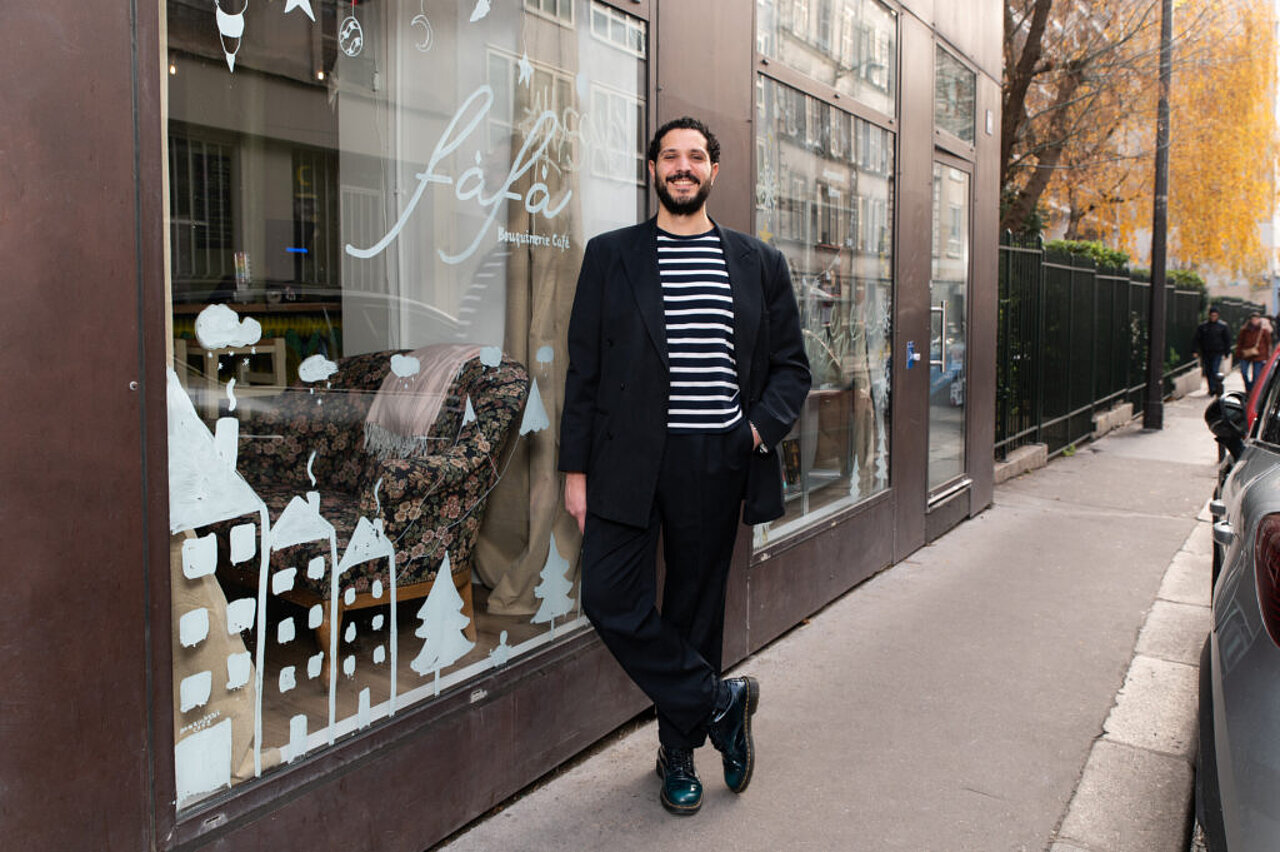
683 173
1213 316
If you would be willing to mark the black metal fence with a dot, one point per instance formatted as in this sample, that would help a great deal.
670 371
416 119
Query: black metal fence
1072 342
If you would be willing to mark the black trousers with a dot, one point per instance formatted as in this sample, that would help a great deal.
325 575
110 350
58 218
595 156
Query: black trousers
672 655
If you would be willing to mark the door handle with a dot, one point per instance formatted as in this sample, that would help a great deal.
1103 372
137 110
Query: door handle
1223 534
941 364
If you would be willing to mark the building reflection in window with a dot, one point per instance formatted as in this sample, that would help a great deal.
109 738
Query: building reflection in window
825 198
850 45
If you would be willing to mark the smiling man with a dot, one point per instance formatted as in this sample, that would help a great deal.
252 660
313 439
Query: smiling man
686 368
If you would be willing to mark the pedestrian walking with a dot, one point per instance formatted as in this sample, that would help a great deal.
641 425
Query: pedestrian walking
1253 348
686 368
1212 343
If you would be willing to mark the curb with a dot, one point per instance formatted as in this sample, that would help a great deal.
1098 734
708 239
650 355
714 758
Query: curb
1136 792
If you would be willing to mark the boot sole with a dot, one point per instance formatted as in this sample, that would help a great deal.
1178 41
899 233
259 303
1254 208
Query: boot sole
679 810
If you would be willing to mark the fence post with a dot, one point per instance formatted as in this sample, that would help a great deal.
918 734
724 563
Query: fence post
1039 342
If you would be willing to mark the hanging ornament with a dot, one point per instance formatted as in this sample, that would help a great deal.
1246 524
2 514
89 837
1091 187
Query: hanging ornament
304 5
351 34
230 27
420 20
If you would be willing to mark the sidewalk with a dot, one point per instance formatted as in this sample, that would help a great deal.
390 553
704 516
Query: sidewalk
1027 682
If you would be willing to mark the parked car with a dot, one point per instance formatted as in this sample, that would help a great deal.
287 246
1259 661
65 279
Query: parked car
1238 770
1259 383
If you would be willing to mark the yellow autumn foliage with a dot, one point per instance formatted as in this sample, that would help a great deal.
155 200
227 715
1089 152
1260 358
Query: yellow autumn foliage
1223 143
1222 158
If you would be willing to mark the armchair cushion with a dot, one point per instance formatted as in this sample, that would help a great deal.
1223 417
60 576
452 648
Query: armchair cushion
429 503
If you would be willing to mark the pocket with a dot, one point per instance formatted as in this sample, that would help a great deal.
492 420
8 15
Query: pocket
749 440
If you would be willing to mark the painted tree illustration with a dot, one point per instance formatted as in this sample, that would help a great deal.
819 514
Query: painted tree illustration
554 589
442 625
535 413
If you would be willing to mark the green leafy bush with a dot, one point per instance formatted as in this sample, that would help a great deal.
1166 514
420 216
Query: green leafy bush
1104 257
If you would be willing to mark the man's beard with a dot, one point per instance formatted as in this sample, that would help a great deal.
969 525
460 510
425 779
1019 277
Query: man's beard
682 208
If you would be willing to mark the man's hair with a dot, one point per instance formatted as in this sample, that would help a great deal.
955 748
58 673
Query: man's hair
685 123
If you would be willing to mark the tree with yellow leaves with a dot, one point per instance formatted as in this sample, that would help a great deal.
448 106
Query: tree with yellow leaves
1073 74
1222 158
1079 127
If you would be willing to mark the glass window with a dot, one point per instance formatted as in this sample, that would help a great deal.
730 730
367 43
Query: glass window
850 45
954 97
376 213
824 197
948 335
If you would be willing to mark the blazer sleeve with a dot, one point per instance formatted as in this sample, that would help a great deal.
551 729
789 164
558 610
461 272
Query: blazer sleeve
787 379
583 375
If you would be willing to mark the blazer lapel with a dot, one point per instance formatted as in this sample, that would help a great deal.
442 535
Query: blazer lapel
641 264
744 281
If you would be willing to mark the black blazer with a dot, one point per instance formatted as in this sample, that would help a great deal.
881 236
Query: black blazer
614 421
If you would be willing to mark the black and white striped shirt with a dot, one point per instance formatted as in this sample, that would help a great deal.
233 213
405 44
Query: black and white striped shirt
699 316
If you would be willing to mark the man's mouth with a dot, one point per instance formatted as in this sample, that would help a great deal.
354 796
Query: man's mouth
683 180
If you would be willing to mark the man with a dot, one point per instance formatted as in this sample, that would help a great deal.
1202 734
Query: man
1253 348
1212 342
686 368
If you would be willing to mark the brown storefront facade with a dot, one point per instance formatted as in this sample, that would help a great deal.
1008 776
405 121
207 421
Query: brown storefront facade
292 568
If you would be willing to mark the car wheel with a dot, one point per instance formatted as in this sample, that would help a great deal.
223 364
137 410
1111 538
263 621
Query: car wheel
1208 793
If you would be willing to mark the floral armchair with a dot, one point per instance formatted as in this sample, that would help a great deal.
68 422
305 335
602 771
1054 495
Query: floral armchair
429 503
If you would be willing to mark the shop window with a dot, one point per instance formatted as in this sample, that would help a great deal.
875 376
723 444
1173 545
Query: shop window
618 28
620 150
850 45
559 10
200 201
377 214
954 97
828 209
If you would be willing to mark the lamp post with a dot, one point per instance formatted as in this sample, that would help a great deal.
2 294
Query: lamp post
1153 407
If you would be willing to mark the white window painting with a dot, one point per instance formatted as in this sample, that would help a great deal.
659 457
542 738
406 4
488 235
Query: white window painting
369 292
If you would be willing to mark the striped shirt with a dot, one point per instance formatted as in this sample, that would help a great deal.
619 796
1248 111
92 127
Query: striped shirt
699 317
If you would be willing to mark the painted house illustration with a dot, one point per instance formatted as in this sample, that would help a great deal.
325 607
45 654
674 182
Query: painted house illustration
299 533
369 543
204 489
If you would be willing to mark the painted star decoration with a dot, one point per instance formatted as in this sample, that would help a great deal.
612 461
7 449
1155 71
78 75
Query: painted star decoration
304 5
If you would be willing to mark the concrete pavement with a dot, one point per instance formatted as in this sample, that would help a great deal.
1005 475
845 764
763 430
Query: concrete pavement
1027 682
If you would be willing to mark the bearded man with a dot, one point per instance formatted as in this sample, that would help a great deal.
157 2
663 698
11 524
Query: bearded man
686 368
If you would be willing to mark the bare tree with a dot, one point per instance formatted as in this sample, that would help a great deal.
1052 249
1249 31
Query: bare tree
1074 71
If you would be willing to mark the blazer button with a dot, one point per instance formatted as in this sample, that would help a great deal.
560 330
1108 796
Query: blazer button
622 386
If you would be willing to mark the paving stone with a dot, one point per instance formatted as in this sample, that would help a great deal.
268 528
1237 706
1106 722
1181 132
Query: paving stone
1156 707
1129 800
1174 632
1188 579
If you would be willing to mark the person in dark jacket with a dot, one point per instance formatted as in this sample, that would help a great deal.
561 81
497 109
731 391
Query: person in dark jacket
1212 342
686 368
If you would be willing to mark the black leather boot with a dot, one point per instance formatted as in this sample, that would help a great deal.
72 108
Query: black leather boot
681 789
730 732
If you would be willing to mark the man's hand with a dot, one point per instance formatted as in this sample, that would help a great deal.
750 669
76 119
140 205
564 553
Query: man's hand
755 437
575 497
